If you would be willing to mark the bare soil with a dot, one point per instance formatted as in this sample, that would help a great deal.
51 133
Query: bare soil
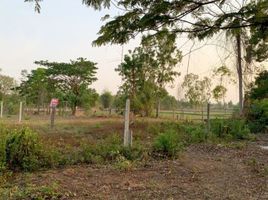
203 171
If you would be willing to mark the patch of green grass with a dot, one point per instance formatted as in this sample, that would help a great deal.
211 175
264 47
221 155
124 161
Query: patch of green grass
31 192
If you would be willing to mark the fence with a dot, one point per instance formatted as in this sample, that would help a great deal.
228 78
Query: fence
197 114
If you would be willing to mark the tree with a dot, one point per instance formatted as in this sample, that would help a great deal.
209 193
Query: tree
198 17
149 66
201 19
89 99
8 93
36 87
197 90
72 79
256 108
259 90
106 99
223 74
169 102
136 76
7 85
219 93
163 56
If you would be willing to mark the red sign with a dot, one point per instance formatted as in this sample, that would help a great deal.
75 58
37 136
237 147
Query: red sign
54 102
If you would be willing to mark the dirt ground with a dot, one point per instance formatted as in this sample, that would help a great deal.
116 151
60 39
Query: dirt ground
203 171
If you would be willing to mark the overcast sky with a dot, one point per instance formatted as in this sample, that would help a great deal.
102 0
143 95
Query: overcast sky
65 29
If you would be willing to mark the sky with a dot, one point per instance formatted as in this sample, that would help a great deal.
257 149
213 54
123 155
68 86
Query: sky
65 30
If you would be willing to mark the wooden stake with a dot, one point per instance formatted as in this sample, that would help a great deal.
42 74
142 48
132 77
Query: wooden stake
52 116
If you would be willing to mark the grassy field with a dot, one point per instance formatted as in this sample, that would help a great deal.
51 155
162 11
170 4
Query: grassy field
213 169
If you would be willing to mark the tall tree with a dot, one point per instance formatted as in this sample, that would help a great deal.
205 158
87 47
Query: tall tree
72 79
198 17
197 91
162 57
7 85
153 63
225 76
36 87
106 99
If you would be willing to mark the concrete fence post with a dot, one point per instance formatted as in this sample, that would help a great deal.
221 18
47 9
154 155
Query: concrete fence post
1 109
127 133
20 114
208 118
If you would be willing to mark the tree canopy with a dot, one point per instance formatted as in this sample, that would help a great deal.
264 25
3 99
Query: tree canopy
200 19
72 80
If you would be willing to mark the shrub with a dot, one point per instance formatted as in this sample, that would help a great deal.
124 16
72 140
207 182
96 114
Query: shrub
23 150
132 153
194 133
257 116
230 128
109 148
2 148
167 144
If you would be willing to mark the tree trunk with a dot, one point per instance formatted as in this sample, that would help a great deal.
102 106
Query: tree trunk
158 109
240 73
74 110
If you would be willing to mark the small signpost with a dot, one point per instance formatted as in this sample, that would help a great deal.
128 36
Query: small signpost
53 104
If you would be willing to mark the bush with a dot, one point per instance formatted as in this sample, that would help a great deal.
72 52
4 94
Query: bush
230 128
111 149
257 116
23 150
2 148
132 153
194 133
167 144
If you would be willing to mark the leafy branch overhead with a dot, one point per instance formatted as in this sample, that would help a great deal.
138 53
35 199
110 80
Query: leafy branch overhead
200 19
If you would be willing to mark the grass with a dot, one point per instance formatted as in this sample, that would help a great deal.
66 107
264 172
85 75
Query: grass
99 141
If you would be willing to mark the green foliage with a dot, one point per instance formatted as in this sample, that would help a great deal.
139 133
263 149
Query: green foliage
106 99
169 102
167 144
147 70
219 92
110 149
120 101
23 150
257 116
260 88
71 79
88 99
201 19
197 90
7 85
230 128
194 133
3 134
31 192
256 110
36 87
